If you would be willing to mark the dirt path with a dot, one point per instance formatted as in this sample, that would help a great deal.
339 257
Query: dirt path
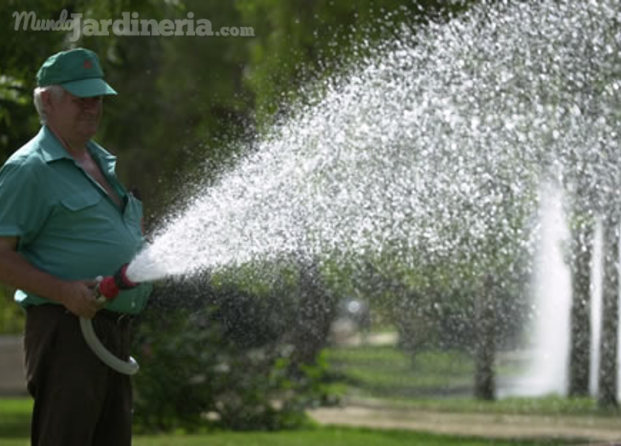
593 430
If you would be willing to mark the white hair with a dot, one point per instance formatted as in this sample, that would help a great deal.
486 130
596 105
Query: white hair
55 90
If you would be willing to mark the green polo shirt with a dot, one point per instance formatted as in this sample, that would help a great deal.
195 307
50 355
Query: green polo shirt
66 223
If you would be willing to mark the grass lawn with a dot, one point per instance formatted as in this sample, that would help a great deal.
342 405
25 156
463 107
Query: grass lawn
386 372
15 416
324 436
382 375
433 380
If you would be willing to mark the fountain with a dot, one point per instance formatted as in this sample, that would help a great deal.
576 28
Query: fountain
547 371
431 151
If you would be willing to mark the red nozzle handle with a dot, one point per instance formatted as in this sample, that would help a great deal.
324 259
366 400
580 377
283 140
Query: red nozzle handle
107 288
110 286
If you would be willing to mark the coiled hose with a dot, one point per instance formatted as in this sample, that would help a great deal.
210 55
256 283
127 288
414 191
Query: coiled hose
129 367
107 289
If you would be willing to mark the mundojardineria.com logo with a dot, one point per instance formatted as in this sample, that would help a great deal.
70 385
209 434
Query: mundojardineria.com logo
128 24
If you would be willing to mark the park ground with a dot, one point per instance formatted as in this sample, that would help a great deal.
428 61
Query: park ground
390 392
384 400
372 423
582 429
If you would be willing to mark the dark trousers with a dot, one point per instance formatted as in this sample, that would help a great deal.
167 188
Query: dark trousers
78 400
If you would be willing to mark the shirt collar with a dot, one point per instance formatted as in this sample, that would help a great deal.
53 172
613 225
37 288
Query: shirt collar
106 160
53 150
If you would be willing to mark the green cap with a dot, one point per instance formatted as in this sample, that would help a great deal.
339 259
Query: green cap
77 71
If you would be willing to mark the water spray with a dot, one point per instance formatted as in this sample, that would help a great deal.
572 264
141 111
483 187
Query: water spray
107 289
429 152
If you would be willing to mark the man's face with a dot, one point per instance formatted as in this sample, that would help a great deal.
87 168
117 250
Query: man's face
73 117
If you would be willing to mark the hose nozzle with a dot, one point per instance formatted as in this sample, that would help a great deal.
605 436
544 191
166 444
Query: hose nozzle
108 287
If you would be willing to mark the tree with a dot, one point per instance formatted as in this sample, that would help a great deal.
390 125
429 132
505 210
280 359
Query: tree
485 340
314 314
579 358
610 319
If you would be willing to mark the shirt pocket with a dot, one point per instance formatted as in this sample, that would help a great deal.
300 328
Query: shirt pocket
133 215
81 201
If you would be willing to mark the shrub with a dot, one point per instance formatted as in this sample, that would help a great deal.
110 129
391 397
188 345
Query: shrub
223 358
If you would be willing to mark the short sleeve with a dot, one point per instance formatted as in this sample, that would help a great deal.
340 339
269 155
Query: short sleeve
23 201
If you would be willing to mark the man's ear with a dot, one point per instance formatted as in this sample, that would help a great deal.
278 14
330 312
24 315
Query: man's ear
46 99
49 99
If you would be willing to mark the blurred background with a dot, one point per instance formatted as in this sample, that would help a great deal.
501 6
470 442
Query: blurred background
259 347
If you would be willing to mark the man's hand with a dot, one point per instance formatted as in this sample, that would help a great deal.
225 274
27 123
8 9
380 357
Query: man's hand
79 298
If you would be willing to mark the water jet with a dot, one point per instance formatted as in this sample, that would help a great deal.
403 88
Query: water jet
429 152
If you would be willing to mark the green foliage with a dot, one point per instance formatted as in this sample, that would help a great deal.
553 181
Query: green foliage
22 53
11 315
224 358
192 379
301 42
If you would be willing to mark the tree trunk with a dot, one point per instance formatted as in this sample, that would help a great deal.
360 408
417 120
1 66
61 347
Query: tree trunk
485 315
315 314
610 303
579 356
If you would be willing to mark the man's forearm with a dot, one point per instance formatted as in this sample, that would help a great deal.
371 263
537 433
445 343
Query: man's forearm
17 272
77 296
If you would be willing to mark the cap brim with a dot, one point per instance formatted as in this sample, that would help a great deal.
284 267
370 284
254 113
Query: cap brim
86 88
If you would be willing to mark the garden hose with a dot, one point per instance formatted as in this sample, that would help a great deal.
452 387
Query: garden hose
107 288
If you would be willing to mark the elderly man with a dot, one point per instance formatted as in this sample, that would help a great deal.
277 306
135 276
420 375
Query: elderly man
65 219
